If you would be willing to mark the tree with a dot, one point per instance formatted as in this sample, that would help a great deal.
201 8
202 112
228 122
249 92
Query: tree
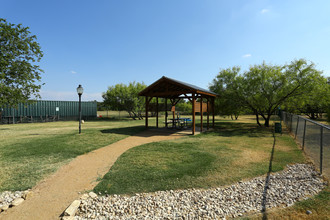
314 103
263 88
266 87
19 75
229 102
123 97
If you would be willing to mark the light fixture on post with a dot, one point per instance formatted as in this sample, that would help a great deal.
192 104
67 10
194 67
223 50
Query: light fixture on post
80 91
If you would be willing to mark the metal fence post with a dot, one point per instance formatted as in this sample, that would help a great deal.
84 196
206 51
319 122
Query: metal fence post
303 145
295 136
321 150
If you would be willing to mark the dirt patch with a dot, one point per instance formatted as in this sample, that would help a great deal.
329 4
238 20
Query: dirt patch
51 196
250 156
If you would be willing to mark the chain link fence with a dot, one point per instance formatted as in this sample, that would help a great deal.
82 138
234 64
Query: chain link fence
314 138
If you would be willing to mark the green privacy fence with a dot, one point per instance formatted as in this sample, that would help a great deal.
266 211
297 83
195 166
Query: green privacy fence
48 111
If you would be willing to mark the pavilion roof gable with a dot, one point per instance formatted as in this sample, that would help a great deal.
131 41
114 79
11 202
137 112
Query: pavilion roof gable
166 87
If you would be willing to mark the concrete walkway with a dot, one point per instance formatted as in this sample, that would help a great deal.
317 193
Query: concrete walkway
54 194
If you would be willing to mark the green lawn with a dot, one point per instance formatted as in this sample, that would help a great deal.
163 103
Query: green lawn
235 150
113 114
29 152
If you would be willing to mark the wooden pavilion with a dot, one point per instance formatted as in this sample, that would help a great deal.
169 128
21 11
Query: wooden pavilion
174 91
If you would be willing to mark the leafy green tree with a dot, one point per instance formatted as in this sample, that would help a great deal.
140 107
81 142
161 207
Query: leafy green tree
123 97
263 88
19 74
229 102
184 107
314 103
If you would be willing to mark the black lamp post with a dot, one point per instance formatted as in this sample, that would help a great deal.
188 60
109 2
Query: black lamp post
80 91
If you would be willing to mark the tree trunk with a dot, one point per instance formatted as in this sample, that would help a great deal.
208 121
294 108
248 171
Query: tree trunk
134 115
313 116
257 117
267 120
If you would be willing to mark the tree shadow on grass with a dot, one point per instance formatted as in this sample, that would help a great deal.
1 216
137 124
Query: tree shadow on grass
232 129
125 130
140 131
266 187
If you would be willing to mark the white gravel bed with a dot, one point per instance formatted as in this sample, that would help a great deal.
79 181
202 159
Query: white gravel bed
284 188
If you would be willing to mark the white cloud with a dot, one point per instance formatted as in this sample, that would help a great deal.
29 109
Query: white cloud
246 55
73 72
264 11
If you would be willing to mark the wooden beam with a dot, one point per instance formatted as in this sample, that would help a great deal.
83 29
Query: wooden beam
201 111
176 102
173 122
187 97
167 94
206 93
193 114
166 112
147 106
213 112
157 112
208 114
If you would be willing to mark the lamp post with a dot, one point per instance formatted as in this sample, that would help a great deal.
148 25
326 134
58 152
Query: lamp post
80 91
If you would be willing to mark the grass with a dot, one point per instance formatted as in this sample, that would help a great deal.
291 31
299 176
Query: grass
235 150
29 152
113 114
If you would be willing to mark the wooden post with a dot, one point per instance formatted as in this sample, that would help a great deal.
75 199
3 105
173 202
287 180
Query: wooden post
303 145
147 106
201 109
157 112
213 112
208 114
295 136
193 114
166 112
321 150
173 122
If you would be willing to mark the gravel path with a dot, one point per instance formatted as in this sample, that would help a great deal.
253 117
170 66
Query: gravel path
51 196
284 188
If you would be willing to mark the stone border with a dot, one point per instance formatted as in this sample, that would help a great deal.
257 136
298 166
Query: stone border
281 189
11 199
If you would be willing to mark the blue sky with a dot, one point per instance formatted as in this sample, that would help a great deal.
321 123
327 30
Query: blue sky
102 43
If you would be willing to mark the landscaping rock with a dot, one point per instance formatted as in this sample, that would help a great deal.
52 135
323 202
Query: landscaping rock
92 195
7 198
308 212
26 194
4 207
17 201
84 196
284 188
72 209
67 218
